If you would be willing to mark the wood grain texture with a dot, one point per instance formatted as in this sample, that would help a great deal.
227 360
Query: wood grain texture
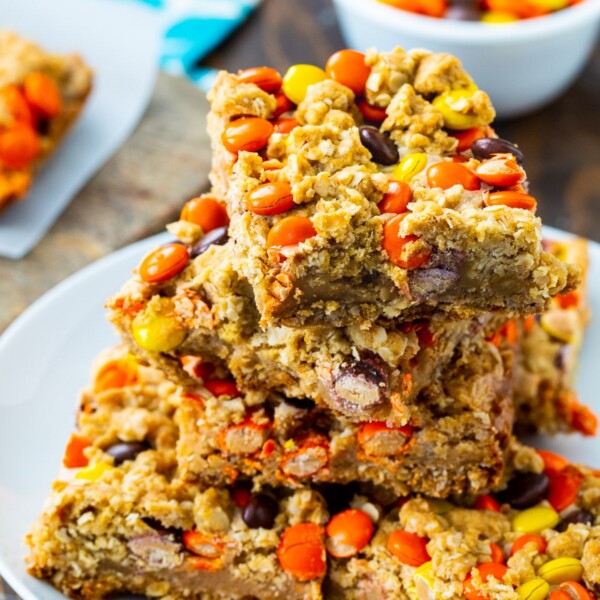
140 189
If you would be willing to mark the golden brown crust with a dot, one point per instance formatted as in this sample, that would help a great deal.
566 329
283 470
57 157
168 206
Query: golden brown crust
483 258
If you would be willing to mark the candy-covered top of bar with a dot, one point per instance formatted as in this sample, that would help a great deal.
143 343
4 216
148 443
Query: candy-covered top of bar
308 164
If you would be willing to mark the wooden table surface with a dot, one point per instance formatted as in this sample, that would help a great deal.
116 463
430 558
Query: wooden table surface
166 161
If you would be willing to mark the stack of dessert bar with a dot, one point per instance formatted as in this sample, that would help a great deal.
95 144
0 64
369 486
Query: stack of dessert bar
320 379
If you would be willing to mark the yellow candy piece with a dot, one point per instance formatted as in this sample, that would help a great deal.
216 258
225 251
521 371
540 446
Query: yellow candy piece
551 4
409 166
93 472
498 18
452 103
298 79
559 250
157 333
560 570
560 324
536 589
536 519
424 578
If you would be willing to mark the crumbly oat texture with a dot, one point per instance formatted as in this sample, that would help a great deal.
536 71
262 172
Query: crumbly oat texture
458 538
18 59
133 525
454 444
125 528
548 352
480 257
373 372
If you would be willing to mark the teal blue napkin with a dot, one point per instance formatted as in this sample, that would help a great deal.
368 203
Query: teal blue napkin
195 27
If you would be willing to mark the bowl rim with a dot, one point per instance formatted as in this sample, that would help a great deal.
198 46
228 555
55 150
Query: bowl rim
472 33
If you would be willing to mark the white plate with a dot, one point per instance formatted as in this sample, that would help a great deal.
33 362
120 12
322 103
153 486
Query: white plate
45 357
119 40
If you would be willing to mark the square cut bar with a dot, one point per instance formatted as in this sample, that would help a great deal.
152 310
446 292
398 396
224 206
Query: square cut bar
370 372
35 111
548 354
121 520
454 443
455 251
124 522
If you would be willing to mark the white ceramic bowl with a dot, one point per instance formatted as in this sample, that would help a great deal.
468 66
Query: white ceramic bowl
522 65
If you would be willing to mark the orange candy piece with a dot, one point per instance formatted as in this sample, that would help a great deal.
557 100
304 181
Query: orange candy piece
564 487
486 570
401 250
348 68
553 462
445 174
301 551
117 373
203 544
241 496
529 538
74 457
486 502
573 591
266 78
376 114
284 104
409 548
520 8
222 387
501 170
560 595
348 533
584 420
528 323
370 429
248 133
270 198
15 102
43 94
512 200
205 211
430 8
164 263
19 146
510 332
285 124
396 199
291 231
467 137
569 300
497 554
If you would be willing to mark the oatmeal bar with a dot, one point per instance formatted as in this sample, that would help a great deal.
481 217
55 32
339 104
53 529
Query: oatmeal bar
339 222
540 534
122 521
454 443
208 313
119 520
41 96
549 344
